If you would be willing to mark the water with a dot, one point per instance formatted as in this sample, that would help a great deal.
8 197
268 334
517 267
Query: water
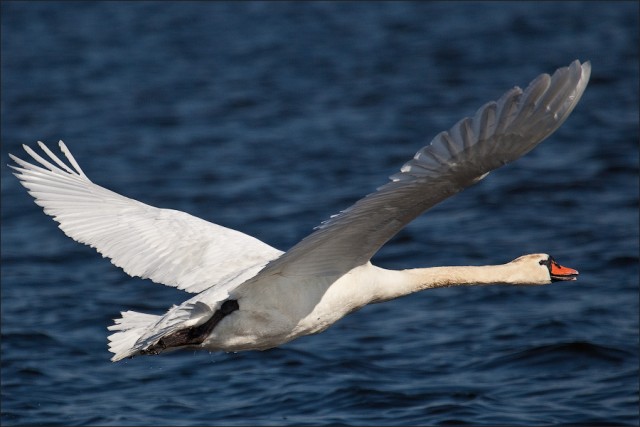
270 117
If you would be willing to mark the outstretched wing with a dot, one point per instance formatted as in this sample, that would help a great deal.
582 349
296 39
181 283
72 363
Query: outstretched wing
164 245
499 133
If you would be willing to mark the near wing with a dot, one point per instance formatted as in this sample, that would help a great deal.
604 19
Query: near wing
499 133
164 245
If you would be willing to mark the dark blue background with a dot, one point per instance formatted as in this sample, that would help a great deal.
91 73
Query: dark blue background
270 117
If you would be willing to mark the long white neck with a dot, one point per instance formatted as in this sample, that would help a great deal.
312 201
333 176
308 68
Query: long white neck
389 284
366 284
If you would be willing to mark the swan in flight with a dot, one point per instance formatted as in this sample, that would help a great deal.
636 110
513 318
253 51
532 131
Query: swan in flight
251 296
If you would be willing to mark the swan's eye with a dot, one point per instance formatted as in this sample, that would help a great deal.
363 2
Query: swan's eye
546 262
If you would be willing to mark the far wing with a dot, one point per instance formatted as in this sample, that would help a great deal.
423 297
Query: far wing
499 133
164 245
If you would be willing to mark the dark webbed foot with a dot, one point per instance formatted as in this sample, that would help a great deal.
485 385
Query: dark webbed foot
194 335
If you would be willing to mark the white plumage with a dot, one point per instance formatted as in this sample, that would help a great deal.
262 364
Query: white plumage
327 275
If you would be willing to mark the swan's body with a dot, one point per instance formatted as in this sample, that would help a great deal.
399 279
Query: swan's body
252 296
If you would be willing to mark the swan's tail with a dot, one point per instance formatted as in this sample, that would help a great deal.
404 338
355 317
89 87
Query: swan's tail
131 326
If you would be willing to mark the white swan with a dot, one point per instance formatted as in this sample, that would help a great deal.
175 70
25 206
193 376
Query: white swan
252 296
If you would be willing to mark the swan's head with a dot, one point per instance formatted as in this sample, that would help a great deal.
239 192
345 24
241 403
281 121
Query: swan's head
542 269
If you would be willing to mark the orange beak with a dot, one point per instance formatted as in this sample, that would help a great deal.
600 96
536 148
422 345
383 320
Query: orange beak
559 272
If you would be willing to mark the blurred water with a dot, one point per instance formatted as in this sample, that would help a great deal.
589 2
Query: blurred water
270 117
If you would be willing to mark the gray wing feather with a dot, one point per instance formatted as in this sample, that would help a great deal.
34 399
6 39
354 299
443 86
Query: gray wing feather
499 133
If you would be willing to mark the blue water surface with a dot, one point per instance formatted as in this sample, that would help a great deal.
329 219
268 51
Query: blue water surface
270 117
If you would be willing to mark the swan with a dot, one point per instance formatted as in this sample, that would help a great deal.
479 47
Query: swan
251 296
